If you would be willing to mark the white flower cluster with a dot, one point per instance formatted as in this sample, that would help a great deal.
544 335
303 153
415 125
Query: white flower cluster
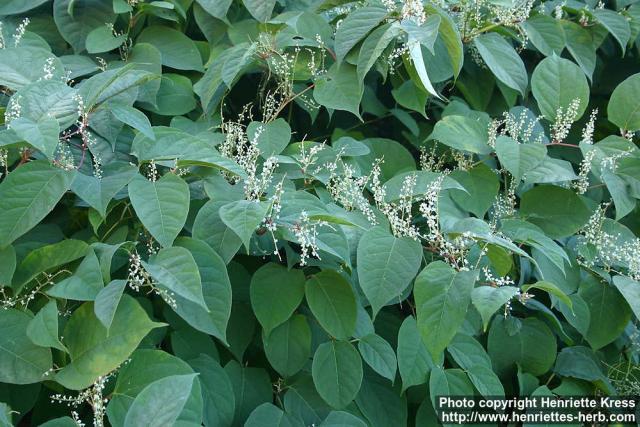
347 189
13 111
398 214
520 128
430 160
610 250
93 396
413 10
564 120
589 128
581 185
306 232
20 30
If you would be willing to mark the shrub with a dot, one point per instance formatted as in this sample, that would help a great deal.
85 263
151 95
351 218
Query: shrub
313 212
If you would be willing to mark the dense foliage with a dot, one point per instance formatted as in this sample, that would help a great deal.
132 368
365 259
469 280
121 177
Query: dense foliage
307 212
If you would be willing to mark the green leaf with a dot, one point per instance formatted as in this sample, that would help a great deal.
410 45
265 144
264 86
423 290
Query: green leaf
271 137
545 33
178 51
260 9
582 363
251 388
355 27
485 381
462 133
14 7
111 83
502 60
243 217
176 271
21 361
605 324
216 290
333 303
374 45
134 118
386 265
337 372
217 392
527 342
555 83
519 158
29 193
487 300
616 23
42 330
448 32
381 405
42 135
161 402
161 205
340 89
276 293
84 284
96 350
630 290
379 355
75 19
288 346
216 8
102 39
342 419
468 352
448 382
415 53
442 297
46 99
46 258
98 192
558 211
7 265
622 110
580 46
107 301
414 362
22 65
145 367
551 289
481 185
174 97
268 415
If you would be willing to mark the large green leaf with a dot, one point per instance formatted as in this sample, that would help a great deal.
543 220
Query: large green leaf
243 217
217 392
605 325
462 133
28 194
379 355
176 271
386 265
545 33
502 60
414 361
333 303
161 205
260 9
216 290
355 27
442 297
528 343
85 283
622 110
13 7
178 51
337 372
276 293
487 300
519 158
98 192
617 25
75 19
288 347
251 388
42 135
555 83
340 89
558 211
96 350
21 361
161 402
